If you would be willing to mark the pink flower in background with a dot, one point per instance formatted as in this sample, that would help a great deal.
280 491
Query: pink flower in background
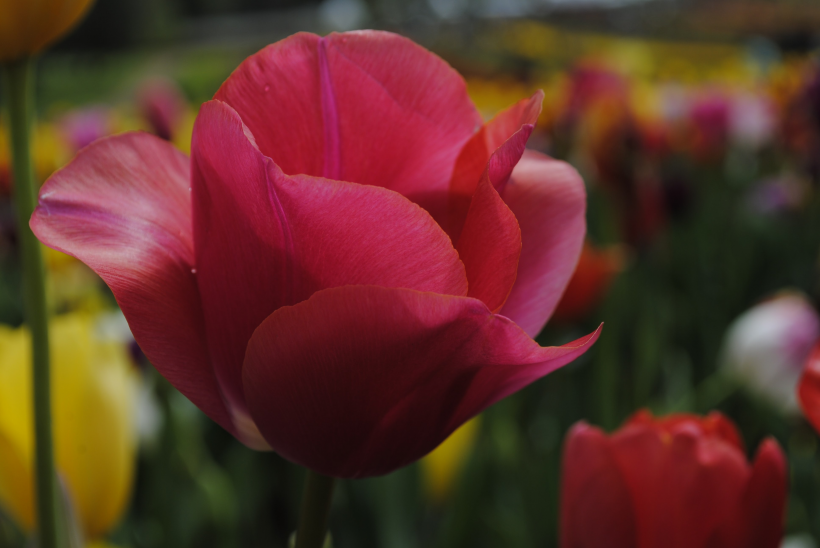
80 128
709 117
350 266
162 104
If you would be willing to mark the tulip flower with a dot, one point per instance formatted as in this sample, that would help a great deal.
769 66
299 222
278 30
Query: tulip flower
94 431
766 348
350 266
680 481
27 27
808 389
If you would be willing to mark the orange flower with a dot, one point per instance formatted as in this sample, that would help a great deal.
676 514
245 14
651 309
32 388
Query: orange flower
26 27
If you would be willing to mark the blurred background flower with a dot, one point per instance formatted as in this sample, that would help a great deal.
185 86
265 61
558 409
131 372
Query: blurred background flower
676 481
766 348
94 386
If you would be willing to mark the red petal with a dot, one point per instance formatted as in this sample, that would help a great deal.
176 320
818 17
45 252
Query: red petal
266 240
337 107
808 390
361 380
596 508
497 146
549 201
685 485
472 160
490 242
123 207
764 502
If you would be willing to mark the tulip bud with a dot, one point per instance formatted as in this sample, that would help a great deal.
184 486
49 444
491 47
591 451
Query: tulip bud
26 27
681 481
767 346
94 386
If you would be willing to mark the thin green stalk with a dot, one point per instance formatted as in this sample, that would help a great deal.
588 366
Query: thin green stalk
19 98
316 498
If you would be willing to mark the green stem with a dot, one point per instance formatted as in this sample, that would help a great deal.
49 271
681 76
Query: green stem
315 509
19 94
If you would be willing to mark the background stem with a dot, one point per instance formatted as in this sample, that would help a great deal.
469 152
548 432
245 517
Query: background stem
19 98
315 509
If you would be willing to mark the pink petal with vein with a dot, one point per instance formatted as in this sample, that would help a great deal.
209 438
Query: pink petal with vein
330 107
266 240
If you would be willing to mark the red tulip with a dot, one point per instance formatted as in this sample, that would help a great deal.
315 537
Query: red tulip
286 279
681 481
808 391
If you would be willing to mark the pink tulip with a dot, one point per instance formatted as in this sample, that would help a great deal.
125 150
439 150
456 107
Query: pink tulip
285 278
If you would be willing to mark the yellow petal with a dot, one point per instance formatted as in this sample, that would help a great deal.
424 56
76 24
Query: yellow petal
16 489
93 389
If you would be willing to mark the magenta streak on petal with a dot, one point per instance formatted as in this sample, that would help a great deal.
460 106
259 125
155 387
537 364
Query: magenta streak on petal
272 172
330 118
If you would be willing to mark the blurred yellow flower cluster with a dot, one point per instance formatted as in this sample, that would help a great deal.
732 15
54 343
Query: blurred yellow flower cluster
93 390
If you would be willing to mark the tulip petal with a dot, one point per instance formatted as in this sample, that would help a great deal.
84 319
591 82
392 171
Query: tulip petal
489 242
809 388
361 380
685 485
499 143
473 158
764 502
266 240
549 201
489 246
596 508
122 207
330 107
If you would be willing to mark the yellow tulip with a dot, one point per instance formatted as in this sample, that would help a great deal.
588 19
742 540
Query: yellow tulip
443 465
93 390
27 26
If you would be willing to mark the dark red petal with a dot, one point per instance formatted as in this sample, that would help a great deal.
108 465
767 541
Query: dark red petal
764 502
123 207
596 508
266 240
548 199
686 486
337 107
361 380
